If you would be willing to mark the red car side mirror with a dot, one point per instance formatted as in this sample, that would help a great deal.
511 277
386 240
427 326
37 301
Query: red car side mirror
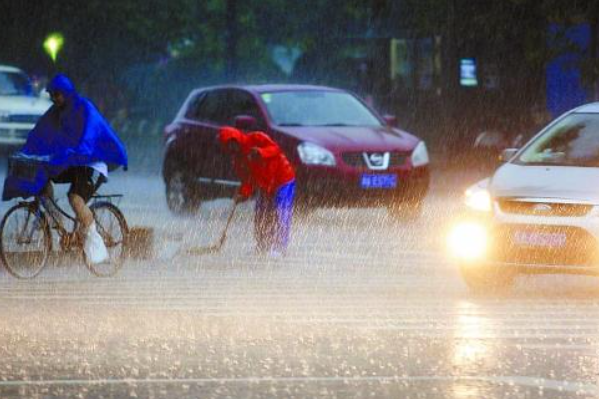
245 122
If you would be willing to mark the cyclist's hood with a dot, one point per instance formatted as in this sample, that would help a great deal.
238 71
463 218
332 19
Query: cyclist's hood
76 135
62 84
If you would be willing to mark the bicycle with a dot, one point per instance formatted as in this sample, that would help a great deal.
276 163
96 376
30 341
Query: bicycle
26 240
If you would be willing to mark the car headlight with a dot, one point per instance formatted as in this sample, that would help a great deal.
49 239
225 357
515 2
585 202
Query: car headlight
420 155
479 198
468 241
4 116
312 154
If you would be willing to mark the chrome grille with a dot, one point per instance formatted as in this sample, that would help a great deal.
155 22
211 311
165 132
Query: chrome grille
356 159
24 118
543 208
14 133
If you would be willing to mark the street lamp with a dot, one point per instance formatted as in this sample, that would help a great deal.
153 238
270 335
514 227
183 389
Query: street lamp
53 44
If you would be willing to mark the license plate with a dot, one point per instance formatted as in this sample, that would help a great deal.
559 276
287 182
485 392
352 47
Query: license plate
539 239
378 181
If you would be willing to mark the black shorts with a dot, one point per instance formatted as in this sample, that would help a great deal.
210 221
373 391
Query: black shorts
81 179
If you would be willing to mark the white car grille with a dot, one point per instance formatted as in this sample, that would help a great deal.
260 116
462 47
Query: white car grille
543 208
23 118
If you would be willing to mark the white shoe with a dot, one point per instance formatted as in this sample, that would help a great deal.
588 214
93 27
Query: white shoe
94 247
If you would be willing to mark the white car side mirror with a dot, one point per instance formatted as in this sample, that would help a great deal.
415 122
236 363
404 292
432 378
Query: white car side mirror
507 154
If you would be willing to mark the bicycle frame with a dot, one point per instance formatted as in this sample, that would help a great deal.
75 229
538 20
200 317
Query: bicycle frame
42 202
62 231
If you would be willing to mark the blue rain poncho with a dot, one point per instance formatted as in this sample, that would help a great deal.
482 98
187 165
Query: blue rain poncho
76 135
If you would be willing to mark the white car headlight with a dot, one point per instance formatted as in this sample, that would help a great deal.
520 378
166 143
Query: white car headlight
478 198
468 241
312 154
420 155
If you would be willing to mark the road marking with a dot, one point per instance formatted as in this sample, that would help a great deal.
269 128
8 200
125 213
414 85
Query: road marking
536 382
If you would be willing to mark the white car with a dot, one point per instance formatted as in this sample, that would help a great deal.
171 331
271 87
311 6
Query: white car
20 107
539 212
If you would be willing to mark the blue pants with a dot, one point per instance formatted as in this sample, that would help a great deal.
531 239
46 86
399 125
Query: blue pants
272 221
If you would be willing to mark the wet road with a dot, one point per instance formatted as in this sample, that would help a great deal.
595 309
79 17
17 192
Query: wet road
363 307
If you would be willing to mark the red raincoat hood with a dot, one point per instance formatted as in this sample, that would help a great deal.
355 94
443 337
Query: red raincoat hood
228 133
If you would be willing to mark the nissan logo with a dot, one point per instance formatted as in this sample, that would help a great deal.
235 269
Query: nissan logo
377 160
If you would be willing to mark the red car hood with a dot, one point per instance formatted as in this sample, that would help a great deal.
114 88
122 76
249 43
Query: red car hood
350 138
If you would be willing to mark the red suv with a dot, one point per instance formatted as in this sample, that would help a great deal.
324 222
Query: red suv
344 152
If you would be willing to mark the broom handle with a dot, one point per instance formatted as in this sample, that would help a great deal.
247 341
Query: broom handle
229 219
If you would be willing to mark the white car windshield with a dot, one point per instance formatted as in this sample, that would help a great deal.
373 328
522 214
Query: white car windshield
573 141
317 108
15 84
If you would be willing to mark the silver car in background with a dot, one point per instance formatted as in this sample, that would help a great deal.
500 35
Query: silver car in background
20 106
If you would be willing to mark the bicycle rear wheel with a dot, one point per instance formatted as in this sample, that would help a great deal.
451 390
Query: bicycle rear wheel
112 227
25 241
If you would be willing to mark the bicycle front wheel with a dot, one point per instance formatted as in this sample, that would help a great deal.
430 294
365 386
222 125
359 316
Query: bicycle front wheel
112 227
25 241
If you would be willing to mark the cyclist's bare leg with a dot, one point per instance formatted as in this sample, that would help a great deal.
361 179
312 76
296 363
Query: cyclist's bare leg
84 215
48 193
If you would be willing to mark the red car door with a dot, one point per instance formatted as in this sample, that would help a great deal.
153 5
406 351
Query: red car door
208 162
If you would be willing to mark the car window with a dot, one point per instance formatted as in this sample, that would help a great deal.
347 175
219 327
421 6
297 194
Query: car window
15 84
242 103
317 108
211 107
573 141
193 109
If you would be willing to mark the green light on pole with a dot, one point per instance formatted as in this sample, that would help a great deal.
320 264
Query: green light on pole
53 44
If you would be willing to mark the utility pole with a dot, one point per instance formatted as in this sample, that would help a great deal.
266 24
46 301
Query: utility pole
231 40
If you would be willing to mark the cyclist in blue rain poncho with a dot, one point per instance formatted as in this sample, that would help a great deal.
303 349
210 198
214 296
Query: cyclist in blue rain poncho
71 143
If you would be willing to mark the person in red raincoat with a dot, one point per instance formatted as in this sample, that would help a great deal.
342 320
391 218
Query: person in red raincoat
262 166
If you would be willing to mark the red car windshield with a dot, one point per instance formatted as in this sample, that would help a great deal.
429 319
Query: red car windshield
317 108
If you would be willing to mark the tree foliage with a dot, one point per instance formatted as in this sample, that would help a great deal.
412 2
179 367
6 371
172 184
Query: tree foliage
177 44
